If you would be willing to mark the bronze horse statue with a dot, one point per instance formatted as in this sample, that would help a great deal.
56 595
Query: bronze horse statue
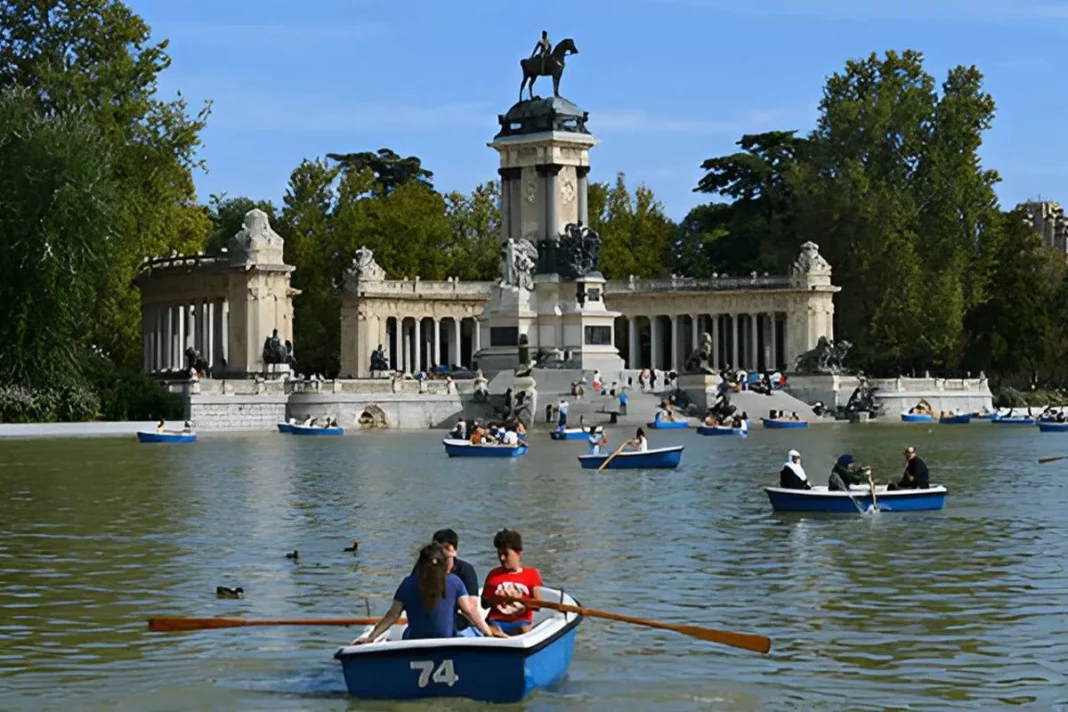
551 66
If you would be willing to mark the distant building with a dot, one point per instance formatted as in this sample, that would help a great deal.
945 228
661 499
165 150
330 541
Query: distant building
1049 221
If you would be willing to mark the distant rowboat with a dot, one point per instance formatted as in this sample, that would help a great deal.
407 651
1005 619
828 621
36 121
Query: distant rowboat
959 419
465 448
820 499
1013 421
917 418
783 424
661 458
165 436
1046 426
659 424
721 430
572 433
315 430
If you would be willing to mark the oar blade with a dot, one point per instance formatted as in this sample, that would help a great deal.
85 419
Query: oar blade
745 641
163 625
1044 460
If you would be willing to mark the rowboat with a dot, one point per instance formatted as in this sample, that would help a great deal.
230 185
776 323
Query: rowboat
917 418
1013 421
721 430
959 419
315 430
1047 426
659 424
285 427
984 416
820 499
664 458
465 448
770 423
494 670
165 436
572 433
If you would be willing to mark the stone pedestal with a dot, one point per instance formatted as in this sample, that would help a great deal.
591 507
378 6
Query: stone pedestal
700 388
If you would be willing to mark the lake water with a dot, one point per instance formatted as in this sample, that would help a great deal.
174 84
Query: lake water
960 609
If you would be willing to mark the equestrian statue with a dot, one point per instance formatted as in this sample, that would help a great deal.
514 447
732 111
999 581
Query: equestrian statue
545 63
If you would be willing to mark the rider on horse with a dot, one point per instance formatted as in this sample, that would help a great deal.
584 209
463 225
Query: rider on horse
543 49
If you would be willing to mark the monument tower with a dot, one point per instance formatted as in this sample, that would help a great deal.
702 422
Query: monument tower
550 289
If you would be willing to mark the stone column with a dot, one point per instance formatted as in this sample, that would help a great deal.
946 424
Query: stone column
179 354
454 345
673 365
477 337
417 345
506 202
209 333
552 196
146 338
437 343
168 347
695 331
715 340
192 330
515 197
654 342
770 359
224 323
583 194
734 341
754 323
633 353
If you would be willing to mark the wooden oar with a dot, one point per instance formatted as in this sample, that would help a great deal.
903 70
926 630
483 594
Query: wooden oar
874 501
613 455
1044 460
746 641
180 623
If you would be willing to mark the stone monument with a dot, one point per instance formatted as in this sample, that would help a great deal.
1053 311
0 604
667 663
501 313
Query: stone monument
550 290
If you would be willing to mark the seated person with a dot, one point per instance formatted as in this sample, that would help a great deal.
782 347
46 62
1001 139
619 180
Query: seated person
430 596
597 440
478 435
916 475
846 472
639 443
793 474
160 426
510 579
510 437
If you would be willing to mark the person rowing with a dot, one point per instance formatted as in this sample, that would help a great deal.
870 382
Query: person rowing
792 475
847 472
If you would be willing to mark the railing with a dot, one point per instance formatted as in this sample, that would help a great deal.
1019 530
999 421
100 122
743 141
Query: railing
692 284
450 289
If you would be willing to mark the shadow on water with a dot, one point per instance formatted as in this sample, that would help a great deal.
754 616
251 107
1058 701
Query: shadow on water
956 609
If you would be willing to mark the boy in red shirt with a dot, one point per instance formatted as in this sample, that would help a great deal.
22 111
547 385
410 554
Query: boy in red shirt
511 578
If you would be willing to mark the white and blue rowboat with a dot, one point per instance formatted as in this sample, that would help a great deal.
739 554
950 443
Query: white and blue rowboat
658 424
1045 426
721 430
917 418
285 427
820 499
664 458
959 419
984 416
1013 421
465 448
165 436
315 430
573 433
495 670
788 424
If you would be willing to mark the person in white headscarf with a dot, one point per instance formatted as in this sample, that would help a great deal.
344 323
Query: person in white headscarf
793 474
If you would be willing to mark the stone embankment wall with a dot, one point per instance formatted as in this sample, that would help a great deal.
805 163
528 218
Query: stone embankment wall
897 394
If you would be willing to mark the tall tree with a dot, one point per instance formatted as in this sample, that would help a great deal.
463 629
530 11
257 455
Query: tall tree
636 236
475 221
96 58
389 169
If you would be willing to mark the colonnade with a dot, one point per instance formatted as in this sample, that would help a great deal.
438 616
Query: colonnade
414 344
169 329
742 340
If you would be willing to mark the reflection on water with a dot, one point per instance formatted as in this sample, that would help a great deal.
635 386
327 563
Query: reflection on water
964 608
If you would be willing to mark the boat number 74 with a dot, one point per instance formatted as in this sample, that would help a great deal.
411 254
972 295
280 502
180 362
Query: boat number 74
444 674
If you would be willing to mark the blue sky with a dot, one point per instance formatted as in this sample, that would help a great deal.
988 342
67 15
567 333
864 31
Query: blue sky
667 83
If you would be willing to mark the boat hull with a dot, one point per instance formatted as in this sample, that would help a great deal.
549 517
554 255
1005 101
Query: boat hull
1013 421
668 424
285 428
490 670
716 430
146 436
819 499
314 430
665 458
917 418
784 424
1052 427
571 434
963 419
463 448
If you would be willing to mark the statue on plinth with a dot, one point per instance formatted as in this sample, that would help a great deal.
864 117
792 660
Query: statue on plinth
378 360
481 394
827 358
276 352
519 258
701 360
573 254
545 63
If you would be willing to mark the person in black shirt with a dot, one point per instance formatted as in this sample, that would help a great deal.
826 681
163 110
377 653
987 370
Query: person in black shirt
793 474
449 542
916 475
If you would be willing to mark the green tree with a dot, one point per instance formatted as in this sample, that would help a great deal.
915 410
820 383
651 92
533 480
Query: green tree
389 169
475 221
96 58
57 239
227 216
636 236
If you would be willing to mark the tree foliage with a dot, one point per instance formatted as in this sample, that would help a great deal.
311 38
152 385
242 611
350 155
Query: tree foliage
636 236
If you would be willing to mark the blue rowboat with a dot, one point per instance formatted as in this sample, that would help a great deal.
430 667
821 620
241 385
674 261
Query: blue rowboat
165 436
464 448
494 670
960 419
1012 421
984 416
721 430
285 427
315 430
820 499
917 418
1045 426
572 433
659 424
773 424
664 458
